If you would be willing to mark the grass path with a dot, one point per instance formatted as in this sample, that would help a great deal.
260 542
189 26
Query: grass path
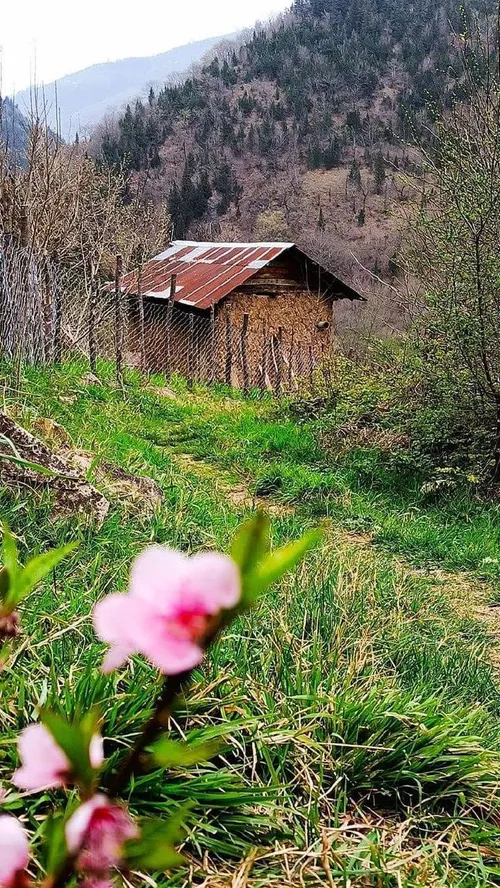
359 704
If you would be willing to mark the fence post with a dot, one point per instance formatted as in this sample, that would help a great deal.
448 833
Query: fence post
300 362
263 371
57 313
92 314
229 356
290 360
142 334
191 352
279 361
119 321
244 360
212 373
168 325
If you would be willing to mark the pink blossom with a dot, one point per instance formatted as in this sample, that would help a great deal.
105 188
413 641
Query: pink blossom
14 852
44 764
168 610
95 835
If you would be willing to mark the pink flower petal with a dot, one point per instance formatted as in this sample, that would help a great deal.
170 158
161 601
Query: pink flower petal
215 579
96 833
114 619
44 764
171 655
14 850
78 824
96 751
157 575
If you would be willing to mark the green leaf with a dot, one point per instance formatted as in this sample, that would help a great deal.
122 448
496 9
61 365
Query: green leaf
4 583
251 543
74 741
281 561
34 467
169 753
36 569
154 850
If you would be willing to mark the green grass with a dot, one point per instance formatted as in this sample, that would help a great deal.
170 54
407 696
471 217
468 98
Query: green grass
357 702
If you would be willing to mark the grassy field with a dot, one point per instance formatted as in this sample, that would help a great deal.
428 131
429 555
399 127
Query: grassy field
359 703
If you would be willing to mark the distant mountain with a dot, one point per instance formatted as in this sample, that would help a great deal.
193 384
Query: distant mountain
301 133
83 98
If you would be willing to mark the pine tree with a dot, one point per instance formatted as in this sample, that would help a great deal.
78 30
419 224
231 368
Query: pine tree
321 220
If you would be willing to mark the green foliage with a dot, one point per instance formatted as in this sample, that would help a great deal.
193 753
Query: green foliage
453 248
16 581
167 753
359 690
155 850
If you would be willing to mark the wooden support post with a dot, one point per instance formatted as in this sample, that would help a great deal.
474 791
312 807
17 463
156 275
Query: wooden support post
212 373
229 355
168 326
191 352
119 321
92 316
279 361
57 313
142 330
290 361
244 359
300 362
263 369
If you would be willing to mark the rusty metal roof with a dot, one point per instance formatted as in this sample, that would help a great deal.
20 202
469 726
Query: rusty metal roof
207 272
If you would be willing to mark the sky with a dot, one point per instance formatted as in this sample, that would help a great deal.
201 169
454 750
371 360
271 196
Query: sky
42 40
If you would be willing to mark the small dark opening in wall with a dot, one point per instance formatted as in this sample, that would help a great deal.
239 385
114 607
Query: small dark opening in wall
323 325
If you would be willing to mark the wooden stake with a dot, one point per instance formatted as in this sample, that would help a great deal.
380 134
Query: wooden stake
279 360
57 314
244 361
290 360
168 325
119 321
142 331
191 352
229 356
212 373
263 371
92 314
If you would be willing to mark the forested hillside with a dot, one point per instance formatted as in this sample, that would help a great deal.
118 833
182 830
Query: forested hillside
302 131
14 127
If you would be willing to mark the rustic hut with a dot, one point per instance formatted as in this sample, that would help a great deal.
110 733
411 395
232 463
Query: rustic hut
249 314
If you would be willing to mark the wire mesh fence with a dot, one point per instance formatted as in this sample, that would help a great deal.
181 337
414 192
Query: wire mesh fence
49 314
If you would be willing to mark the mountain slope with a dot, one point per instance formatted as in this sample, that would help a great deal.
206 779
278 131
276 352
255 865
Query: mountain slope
300 133
14 128
84 97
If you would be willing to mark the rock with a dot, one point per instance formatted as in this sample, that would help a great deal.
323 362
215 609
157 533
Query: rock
52 432
72 494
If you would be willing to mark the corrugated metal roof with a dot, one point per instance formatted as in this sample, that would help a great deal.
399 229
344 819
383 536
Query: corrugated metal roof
206 272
